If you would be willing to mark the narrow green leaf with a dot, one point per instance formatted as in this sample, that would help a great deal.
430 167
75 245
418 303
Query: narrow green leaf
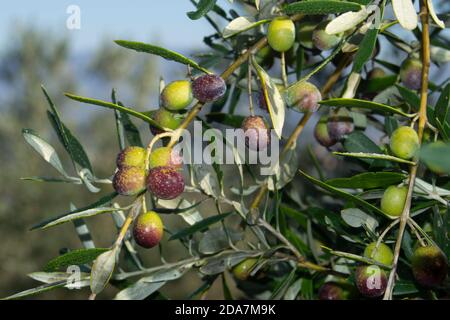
409 96
68 140
376 156
72 145
363 104
390 124
52 179
359 142
226 290
139 290
344 195
162 52
44 149
199 226
241 24
102 270
442 108
134 113
131 131
365 50
79 215
178 210
104 200
357 218
37 290
76 257
321 7
367 180
404 287
203 7
274 100
283 285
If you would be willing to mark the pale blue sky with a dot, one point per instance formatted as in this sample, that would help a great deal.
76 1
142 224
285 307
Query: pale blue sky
164 21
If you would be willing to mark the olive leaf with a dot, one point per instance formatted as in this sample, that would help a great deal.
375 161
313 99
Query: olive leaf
321 7
284 170
357 218
199 226
203 7
68 140
159 51
217 239
406 13
434 16
189 213
139 290
206 178
363 104
274 101
346 21
44 149
368 180
100 203
102 270
76 257
241 24
363 155
132 112
345 195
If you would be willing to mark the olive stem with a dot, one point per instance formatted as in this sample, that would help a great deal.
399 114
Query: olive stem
422 243
249 85
356 257
424 16
280 237
126 225
283 70
384 233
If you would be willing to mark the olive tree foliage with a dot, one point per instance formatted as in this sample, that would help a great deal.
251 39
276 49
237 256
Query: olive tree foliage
302 228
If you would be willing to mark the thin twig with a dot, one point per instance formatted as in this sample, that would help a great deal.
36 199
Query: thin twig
249 86
280 237
283 70
422 122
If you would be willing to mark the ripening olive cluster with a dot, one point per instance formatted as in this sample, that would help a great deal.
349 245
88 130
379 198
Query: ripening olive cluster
178 95
429 268
161 174
163 179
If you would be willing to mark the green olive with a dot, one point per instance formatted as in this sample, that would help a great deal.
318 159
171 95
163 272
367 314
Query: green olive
166 119
404 142
177 95
243 270
165 157
393 200
281 34
382 255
